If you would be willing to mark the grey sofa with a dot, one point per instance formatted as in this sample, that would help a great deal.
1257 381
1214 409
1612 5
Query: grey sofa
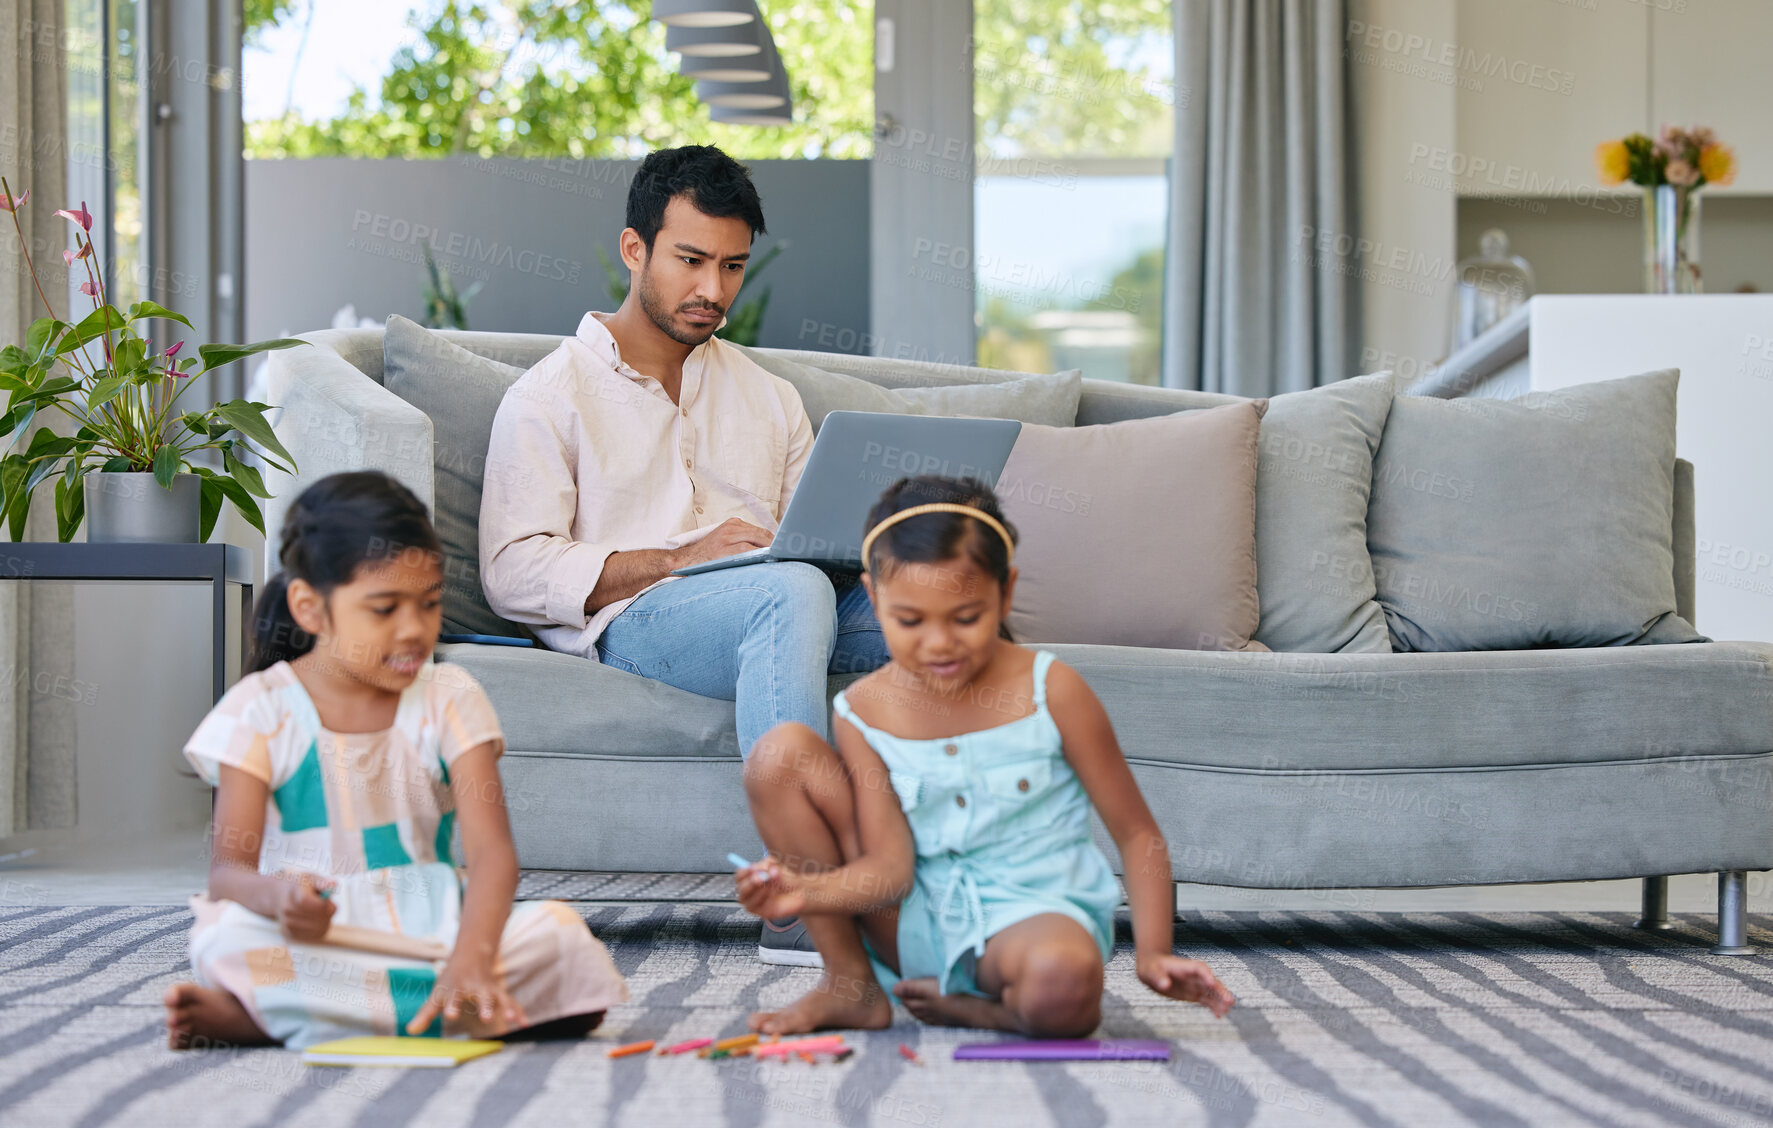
1275 771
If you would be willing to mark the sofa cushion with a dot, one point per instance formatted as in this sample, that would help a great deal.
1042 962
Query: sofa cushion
460 391
1313 479
1049 400
1294 713
1541 521
1290 714
1140 533
1312 485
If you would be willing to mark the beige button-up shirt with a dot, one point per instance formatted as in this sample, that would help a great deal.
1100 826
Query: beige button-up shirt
589 457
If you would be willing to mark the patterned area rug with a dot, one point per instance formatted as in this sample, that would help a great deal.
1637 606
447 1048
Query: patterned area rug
1343 1018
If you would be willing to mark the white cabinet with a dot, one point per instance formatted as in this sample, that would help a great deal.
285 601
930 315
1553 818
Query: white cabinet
1539 83
1708 66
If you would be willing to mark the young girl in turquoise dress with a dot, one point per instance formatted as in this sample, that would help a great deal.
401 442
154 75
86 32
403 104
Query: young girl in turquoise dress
342 765
942 848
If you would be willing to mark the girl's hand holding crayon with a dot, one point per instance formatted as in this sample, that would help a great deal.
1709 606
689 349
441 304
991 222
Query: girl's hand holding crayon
466 979
1190 981
768 890
302 906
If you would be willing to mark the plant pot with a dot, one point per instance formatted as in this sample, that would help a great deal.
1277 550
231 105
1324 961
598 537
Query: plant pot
135 507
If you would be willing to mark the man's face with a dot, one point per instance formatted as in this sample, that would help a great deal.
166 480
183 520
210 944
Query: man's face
689 279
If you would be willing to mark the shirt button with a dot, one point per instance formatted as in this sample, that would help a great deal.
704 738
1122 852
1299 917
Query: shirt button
686 464
685 412
1021 785
698 509
960 800
950 749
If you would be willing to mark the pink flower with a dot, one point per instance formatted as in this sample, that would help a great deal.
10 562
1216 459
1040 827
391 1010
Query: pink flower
1702 135
174 350
89 289
12 204
70 256
1681 174
82 217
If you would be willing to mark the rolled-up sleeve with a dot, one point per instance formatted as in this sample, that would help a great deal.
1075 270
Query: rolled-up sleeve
533 570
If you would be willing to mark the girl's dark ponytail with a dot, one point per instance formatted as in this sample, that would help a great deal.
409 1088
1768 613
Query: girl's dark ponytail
336 525
276 637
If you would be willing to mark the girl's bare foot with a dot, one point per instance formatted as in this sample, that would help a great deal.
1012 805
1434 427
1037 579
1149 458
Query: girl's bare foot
840 1002
204 1016
926 1002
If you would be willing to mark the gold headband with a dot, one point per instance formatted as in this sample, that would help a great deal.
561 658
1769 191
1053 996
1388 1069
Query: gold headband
937 507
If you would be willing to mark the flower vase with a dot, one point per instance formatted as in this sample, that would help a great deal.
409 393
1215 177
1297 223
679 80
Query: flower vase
1671 240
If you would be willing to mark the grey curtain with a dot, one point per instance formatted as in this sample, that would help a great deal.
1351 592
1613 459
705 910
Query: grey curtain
37 730
1259 187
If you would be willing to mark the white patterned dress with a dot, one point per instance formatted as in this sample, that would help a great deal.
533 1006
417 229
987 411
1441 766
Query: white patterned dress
375 813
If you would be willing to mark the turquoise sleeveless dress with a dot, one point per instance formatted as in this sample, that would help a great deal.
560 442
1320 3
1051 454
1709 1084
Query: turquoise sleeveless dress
1001 827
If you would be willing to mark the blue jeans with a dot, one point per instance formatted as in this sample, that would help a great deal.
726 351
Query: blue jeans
763 636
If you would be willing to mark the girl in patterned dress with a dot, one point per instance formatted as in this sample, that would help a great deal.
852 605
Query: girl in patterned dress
943 847
343 765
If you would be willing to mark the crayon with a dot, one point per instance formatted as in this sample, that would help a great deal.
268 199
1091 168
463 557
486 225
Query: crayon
686 1047
829 1044
631 1049
736 1043
909 1054
738 862
844 1054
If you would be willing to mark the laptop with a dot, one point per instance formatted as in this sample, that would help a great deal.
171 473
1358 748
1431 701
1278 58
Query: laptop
857 455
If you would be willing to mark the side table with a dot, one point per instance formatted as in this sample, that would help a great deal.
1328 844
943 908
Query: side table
218 564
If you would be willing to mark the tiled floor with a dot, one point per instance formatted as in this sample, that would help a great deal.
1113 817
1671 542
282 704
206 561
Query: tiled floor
166 870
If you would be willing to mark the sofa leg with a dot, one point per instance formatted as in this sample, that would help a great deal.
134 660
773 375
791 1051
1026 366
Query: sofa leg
1732 915
1655 905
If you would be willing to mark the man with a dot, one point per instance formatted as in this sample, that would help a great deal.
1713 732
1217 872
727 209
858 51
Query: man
645 443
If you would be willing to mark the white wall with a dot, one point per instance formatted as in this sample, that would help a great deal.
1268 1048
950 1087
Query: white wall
1404 112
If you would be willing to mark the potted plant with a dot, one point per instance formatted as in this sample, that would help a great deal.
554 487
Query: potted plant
127 461
1671 169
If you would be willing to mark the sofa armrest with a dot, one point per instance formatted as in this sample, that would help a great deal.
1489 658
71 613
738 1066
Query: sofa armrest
333 417
1686 553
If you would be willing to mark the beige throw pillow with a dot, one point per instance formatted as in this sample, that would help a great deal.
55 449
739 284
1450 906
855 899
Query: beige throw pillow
1139 533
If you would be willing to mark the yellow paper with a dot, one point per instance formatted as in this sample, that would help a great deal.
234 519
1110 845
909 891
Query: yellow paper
434 1053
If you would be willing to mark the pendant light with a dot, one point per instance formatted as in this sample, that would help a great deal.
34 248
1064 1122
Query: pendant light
704 13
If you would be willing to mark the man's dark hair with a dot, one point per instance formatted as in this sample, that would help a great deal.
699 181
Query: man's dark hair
716 184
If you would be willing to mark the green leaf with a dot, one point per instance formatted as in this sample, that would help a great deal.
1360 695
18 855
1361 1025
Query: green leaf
70 507
117 465
15 501
43 334
17 418
130 357
94 325
13 359
38 472
243 501
166 464
209 504
249 419
47 443
103 390
247 476
198 423
214 356
154 309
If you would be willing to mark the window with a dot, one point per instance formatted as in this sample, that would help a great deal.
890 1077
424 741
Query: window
1073 109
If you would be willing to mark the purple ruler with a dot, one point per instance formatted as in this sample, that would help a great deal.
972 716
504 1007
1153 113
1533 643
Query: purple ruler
1081 1049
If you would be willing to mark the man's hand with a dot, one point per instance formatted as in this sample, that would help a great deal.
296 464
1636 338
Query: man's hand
730 536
